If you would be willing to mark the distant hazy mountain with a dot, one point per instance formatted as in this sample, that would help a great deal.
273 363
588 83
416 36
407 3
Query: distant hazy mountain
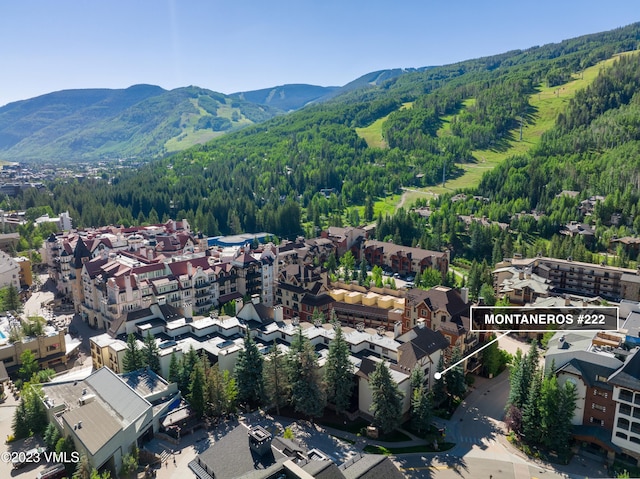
295 96
92 124
287 97
375 79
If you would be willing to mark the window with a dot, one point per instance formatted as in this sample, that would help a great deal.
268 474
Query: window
634 439
598 407
621 435
599 422
626 395
625 409
623 423
604 394
602 379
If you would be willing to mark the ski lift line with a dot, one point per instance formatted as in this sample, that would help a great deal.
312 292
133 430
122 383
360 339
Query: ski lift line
438 374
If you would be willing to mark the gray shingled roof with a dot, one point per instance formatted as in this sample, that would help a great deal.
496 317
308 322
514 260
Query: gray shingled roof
588 371
425 342
628 376
370 466
230 457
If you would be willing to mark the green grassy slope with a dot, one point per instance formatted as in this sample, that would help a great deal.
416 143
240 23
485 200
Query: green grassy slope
548 102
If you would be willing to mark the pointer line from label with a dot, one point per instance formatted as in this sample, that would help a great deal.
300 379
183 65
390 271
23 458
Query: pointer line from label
438 374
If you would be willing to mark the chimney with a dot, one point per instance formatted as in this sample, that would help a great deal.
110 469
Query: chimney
464 292
188 310
420 323
259 440
397 329
255 298
239 305
189 268
277 314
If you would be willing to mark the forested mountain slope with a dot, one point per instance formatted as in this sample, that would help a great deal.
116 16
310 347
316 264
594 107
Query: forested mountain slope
311 165
142 120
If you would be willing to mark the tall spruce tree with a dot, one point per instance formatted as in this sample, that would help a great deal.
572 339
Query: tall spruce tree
338 372
566 409
275 378
417 378
187 364
196 395
248 373
151 353
386 405
133 357
20 423
454 378
439 388
174 368
307 396
421 409
531 412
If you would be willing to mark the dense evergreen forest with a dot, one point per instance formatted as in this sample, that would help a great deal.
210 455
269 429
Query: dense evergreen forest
299 172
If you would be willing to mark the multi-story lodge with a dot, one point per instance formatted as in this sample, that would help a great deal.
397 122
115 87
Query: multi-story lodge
113 272
586 279
301 289
403 259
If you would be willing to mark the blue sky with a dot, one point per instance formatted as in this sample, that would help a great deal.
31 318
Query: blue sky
231 46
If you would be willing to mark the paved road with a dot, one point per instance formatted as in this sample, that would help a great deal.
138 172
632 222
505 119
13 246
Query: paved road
481 447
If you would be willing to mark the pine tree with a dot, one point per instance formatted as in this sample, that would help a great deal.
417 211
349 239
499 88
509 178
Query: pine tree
307 395
275 379
421 409
417 378
150 353
187 363
531 412
36 413
338 372
566 409
549 405
20 424
133 357
248 373
51 436
439 388
196 394
522 373
491 358
454 378
174 368
214 393
386 405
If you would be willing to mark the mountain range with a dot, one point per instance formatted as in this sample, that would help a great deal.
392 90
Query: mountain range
520 127
146 120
